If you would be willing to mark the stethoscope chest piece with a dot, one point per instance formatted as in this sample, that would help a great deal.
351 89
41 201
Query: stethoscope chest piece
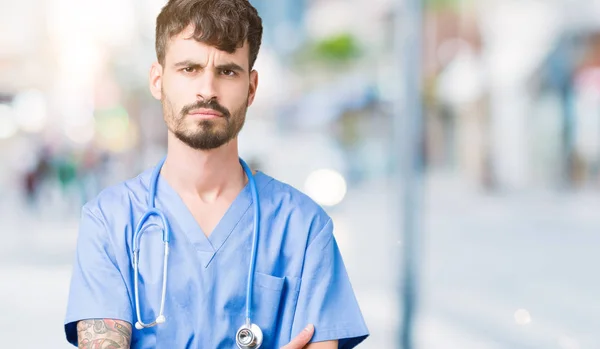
249 337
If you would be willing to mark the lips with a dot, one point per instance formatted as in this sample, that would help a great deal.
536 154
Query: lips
205 110
205 113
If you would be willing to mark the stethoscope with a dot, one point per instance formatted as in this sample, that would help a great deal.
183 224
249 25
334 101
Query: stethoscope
249 335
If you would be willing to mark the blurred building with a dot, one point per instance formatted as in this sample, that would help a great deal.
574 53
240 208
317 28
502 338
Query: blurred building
494 112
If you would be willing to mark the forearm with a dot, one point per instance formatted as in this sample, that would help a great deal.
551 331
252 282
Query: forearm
103 334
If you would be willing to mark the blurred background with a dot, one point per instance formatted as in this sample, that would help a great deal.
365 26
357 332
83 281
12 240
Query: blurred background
507 225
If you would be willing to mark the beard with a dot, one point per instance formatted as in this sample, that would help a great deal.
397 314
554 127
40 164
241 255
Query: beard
204 134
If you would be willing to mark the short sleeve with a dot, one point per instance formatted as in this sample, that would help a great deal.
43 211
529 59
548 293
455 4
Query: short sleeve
326 297
97 290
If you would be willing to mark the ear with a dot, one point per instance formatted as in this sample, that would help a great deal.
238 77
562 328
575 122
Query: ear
155 80
253 86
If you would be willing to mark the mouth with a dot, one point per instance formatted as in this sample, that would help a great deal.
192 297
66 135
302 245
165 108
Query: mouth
205 114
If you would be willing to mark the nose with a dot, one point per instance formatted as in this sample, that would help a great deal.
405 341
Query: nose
206 87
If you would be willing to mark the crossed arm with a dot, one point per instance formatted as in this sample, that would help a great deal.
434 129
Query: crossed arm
116 334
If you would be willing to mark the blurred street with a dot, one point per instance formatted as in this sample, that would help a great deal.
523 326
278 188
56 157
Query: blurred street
475 276
499 100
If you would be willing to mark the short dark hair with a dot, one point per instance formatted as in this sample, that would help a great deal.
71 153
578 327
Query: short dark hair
224 24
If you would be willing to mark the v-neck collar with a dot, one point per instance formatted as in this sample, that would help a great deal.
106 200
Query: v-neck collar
180 217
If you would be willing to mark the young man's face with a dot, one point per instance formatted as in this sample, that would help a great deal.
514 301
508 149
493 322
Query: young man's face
205 92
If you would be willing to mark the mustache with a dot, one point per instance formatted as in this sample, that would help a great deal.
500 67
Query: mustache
210 104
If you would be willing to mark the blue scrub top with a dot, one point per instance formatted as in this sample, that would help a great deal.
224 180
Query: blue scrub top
300 277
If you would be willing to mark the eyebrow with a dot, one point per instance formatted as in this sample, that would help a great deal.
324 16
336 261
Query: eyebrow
231 66
225 66
186 63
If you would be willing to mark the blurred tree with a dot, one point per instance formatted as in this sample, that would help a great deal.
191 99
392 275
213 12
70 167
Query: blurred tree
334 53
328 57
436 5
338 48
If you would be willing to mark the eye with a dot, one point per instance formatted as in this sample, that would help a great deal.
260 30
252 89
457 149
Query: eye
189 69
227 72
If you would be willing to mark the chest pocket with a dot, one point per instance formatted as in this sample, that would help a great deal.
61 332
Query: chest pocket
267 304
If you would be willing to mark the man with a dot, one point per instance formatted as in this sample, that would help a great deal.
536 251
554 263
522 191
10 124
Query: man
206 50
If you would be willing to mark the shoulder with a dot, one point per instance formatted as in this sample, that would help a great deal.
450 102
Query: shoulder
291 204
287 196
120 197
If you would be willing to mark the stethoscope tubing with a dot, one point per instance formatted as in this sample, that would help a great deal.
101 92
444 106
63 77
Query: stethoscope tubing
153 211
249 286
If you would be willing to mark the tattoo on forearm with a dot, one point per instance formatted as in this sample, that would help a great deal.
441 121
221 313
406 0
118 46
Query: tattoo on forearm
99 326
103 334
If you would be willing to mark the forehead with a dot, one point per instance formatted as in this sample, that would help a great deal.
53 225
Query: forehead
184 47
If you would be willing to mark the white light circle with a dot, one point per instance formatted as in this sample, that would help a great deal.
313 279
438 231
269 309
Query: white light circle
522 317
80 134
327 187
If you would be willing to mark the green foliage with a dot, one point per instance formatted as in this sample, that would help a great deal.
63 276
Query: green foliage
443 4
341 47
334 50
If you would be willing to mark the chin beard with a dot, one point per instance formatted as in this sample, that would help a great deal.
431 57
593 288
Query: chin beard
211 135
207 138
208 134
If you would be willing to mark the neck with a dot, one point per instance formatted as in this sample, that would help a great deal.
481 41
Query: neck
205 173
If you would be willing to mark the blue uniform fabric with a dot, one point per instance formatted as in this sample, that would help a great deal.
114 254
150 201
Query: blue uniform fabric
300 276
